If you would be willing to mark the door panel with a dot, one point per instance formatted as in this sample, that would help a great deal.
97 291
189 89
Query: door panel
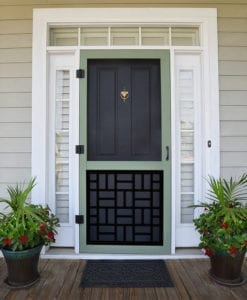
126 206
121 130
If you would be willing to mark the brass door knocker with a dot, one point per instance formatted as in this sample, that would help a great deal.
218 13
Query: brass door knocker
124 95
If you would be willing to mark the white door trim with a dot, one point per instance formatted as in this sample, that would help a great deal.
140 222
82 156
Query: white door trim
206 18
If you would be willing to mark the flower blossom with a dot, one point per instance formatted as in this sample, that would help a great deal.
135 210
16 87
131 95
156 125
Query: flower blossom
42 227
208 251
50 235
223 224
233 250
23 239
7 241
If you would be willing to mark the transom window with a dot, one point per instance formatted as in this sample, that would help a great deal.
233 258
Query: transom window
125 36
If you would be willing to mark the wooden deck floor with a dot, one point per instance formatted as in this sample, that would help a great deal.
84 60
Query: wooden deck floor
60 280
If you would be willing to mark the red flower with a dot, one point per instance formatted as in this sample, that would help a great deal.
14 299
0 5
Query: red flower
208 251
205 230
50 235
7 241
23 239
233 250
42 227
245 242
223 224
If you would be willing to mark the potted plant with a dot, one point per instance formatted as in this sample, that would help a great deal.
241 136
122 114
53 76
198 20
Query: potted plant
24 229
223 228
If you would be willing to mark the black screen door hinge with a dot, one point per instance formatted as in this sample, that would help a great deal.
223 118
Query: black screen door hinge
79 219
80 73
79 149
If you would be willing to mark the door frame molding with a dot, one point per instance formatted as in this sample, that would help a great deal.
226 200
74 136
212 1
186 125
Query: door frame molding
205 18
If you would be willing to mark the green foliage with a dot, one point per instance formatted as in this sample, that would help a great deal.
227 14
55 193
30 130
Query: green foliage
25 225
223 224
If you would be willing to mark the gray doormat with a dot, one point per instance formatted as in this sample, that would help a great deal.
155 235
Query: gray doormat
126 274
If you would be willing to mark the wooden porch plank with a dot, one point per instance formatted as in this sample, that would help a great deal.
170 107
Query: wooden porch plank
185 277
59 274
196 274
180 289
74 272
167 294
60 279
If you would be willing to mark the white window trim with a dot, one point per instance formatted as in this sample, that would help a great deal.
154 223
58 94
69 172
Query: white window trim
205 17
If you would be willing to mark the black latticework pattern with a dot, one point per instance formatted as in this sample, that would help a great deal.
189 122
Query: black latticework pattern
125 207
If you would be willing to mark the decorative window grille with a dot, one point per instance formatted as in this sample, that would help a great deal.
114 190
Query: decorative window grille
125 207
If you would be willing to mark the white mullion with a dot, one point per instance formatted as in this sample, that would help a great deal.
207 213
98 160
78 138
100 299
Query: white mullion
140 36
79 36
108 37
170 36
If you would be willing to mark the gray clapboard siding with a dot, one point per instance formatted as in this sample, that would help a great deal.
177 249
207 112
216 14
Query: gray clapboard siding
233 128
16 70
15 26
15 100
15 55
232 39
234 144
233 67
4 194
232 10
20 11
230 25
15 145
16 40
14 175
233 53
15 129
15 85
233 113
233 98
237 159
233 83
24 2
15 160
19 114
16 13
234 172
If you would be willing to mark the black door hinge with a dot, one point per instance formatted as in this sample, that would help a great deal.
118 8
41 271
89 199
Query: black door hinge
80 73
79 219
79 149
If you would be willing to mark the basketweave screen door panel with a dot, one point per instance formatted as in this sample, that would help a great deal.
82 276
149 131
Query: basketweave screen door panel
124 171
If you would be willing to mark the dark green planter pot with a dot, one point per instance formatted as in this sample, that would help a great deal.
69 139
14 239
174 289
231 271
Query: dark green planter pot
227 270
22 267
